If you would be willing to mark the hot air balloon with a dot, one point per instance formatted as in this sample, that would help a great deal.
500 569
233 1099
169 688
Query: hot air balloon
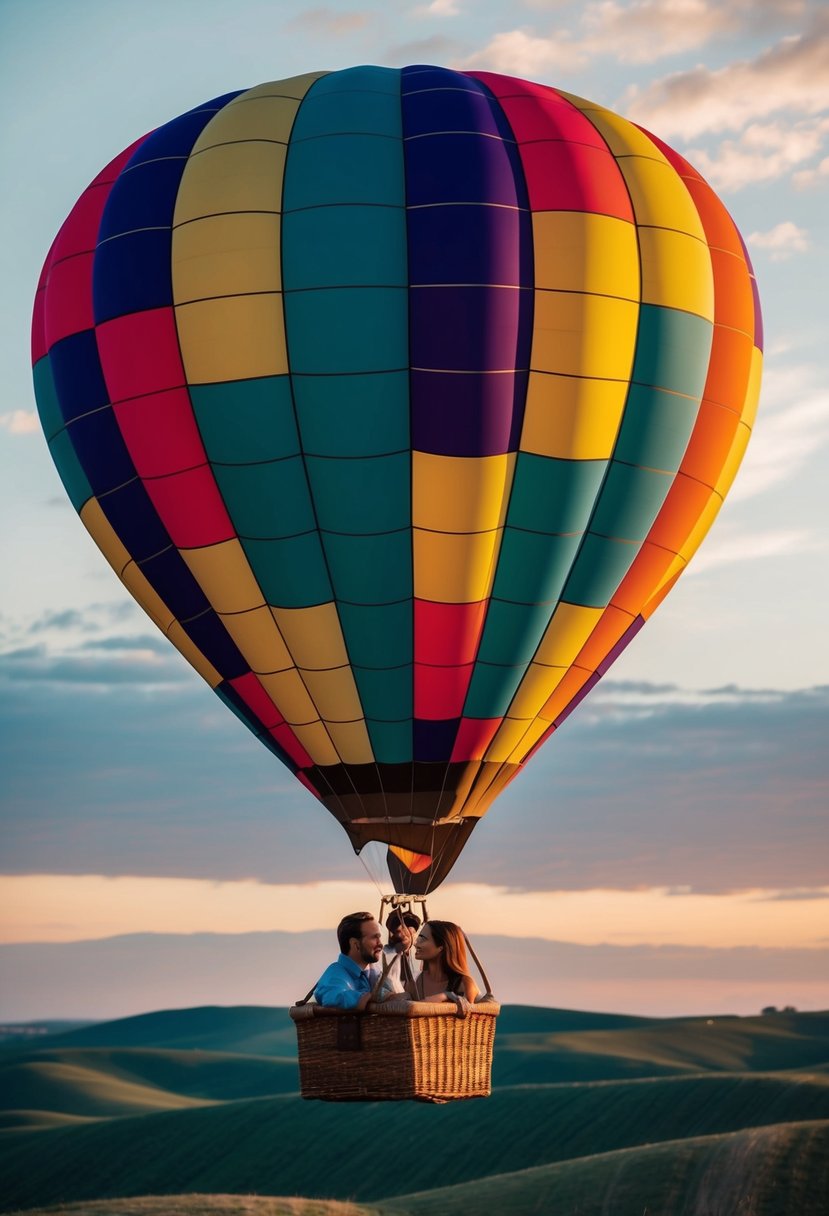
399 400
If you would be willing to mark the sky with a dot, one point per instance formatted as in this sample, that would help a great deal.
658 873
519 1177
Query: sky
686 802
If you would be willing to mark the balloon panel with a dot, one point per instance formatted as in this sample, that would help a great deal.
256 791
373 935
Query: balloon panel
399 400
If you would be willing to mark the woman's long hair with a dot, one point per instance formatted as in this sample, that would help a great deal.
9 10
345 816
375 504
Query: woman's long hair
451 938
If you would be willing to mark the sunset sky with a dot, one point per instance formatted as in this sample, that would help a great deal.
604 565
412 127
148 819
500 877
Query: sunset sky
686 802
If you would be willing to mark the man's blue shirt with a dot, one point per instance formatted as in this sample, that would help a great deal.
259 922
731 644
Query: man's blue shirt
343 983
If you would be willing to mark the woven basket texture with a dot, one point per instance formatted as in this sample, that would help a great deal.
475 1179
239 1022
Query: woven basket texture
425 1052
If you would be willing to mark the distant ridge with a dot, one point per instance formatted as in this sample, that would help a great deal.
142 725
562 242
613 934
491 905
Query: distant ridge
137 973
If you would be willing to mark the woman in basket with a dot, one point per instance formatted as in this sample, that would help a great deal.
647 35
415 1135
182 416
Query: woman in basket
441 949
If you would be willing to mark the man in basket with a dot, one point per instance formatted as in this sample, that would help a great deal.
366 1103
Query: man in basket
348 982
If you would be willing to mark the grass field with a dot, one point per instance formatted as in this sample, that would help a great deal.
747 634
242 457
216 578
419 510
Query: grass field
589 1114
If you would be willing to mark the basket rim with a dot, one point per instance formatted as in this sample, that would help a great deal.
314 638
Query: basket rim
397 1009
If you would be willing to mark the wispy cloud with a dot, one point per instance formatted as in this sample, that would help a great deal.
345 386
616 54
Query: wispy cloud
93 618
791 77
439 8
152 643
808 894
647 30
782 241
521 52
719 789
67 618
20 422
54 907
642 31
111 663
781 445
331 21
436 48
764 152
815 176
754 546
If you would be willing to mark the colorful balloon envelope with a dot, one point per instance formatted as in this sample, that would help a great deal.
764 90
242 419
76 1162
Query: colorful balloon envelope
399 399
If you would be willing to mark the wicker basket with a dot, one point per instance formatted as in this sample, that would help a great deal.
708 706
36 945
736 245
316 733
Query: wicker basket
400 1050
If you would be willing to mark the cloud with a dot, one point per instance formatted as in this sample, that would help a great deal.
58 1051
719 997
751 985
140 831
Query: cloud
784 240
646 30
423 50
439 8
67 618
781 445
522 53
763 152
93 618
20 422
143 665
791 78
330 21
786 382
642 31
156 644
717 791
808 894
754 546
807 178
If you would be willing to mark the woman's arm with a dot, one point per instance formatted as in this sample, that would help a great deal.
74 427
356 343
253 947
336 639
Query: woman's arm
470 989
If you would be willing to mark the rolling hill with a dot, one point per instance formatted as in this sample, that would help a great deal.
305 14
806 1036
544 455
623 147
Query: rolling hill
584 1104
735 1173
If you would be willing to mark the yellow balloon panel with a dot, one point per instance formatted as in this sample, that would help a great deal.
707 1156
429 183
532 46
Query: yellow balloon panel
735 455
288 692
676 271
510 734
292 86
535 689
224 575
351 741
313 635
580 335
258 117
230 178
660 198
257 635
455 569
572 418
534 732
578 251
226 255
104 535
460 493
334 694
317 742
235 338
568 630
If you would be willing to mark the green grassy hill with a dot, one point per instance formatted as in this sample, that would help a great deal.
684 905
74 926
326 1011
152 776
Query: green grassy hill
273 1145
261 1030
246 1029
118 1081
664 1048
735 1173
114 1110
